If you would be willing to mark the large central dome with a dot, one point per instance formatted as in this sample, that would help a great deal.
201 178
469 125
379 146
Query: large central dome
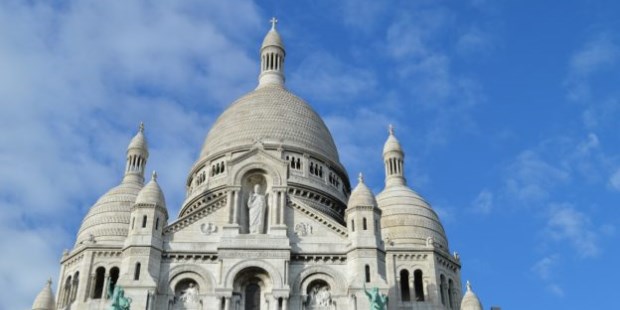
274 116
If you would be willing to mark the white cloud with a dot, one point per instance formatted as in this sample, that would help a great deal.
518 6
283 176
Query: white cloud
531 177
77 78
544 270
567 224
483 204
614 180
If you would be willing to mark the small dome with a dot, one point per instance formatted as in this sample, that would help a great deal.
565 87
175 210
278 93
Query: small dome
107 221
273 37
408 219
139 140
392 143
361 195
45 299
470 300
151 193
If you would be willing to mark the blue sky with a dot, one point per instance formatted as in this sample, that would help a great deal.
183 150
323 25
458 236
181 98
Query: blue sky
507 111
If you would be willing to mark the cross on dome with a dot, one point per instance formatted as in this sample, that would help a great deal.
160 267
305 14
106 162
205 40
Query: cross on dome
391 129
360 178
154 175
141 127
273 22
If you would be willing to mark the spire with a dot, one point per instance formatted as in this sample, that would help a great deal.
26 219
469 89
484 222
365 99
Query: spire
137 154
394 160
272 58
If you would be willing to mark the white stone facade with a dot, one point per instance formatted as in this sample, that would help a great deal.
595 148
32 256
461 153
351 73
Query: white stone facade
318 245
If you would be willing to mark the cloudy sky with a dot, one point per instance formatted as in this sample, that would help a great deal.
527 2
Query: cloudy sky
508 112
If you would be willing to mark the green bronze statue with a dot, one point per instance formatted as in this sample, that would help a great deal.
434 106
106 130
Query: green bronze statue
377 300
117 294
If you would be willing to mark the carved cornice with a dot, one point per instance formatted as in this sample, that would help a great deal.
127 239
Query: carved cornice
318 217
189 257
320 258
204 207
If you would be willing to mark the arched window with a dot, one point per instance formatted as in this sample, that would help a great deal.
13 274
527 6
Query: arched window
442 289
133 222
114 273
450 292
418 285
352 225
74 286
144 221
405 292
99 278
157 224
364 224
67 292
136 272
367 272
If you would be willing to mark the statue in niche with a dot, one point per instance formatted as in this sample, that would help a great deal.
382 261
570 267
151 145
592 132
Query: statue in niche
377 300
320 297
257 204
190 294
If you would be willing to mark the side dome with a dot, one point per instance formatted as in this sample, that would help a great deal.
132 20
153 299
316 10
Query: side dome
362 195
470 300
407 219
151 194
107 221
274 116
45 299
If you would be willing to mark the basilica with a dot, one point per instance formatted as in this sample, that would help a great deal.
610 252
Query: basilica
270 221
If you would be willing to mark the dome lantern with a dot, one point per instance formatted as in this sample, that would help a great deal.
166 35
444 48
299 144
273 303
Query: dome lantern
137 155
394 160
272 58
45 299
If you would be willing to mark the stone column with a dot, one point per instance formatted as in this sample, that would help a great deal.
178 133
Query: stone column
282 205
235 211
104 294
227 303
284 303
231 209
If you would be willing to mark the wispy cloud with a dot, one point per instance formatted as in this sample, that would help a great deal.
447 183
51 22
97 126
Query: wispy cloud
76 80
567 224
544 270
483 204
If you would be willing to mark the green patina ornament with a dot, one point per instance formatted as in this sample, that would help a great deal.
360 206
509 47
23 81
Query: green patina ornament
117 294
377 300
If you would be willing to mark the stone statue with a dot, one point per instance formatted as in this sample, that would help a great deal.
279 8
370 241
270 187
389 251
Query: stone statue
377 300
256 211
190 295
119 301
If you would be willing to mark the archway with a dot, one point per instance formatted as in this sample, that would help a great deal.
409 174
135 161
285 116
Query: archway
252 289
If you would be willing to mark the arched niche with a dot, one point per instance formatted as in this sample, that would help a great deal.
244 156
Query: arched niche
256 184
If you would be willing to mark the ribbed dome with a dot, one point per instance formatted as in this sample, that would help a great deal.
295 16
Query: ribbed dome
275 116
151 194
45 299
407 219
108 219
470 300
361 195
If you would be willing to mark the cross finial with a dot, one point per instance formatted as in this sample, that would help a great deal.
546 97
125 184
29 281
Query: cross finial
154 175
468 286
49 281
360 178
273 22
391 129
141 127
